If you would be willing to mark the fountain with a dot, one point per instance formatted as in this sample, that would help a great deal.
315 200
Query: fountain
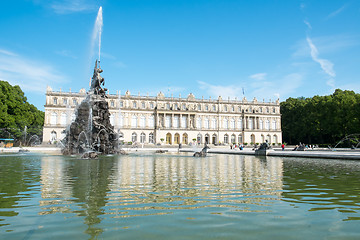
92 133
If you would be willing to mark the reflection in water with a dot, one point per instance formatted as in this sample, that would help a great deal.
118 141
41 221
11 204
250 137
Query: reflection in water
81 181
151 196
140 185
187 182
325 184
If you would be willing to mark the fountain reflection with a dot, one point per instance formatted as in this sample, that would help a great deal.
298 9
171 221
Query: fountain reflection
76 187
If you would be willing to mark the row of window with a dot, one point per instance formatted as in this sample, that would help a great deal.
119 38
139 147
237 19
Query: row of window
183 106
65 101
134 138
176 122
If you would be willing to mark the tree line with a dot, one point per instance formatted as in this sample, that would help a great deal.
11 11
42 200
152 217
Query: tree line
321 119
17 116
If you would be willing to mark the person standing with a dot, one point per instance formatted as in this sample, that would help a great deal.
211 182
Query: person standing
283 147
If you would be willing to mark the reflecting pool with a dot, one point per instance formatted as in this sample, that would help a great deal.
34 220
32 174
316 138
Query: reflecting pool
177 196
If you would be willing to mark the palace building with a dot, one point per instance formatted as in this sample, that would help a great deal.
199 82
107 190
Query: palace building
172 120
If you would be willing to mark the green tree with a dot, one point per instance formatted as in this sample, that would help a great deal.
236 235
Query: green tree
321 119
16 113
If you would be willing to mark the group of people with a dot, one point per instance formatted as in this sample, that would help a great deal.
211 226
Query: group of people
235 146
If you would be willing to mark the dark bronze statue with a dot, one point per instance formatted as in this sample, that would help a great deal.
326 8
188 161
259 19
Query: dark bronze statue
97 81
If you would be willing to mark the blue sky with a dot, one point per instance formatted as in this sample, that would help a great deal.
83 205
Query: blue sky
271 49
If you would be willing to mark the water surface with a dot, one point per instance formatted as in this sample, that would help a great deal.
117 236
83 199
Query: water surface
162 196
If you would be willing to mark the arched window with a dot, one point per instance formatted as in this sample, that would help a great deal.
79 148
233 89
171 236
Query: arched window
233 138
134 121
207 138
261 124
151 105
185 138
226 138
240 138
214 139
206 123
53 118
142 104
232 123
151 138
274 110
253 141
134 104
214 108
268 138
133 137
112 104
260 109
65 101
175 106
225 108
206 107
168 106
199 107
199 138
63 118
151 121
142 138
275 139
55 101
233 108
142 121
184 106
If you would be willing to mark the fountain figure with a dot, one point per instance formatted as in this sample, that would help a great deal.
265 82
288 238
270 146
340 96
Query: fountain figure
91 131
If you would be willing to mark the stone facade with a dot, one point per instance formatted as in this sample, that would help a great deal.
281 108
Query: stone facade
172 120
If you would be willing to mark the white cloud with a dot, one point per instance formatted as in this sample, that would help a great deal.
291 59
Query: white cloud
282 87
333 14
30 75
258 76
325 64
308 24
71 6
231 91
5 52
327 44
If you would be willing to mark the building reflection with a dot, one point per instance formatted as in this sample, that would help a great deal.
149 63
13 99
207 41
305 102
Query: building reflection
187 181
142 185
